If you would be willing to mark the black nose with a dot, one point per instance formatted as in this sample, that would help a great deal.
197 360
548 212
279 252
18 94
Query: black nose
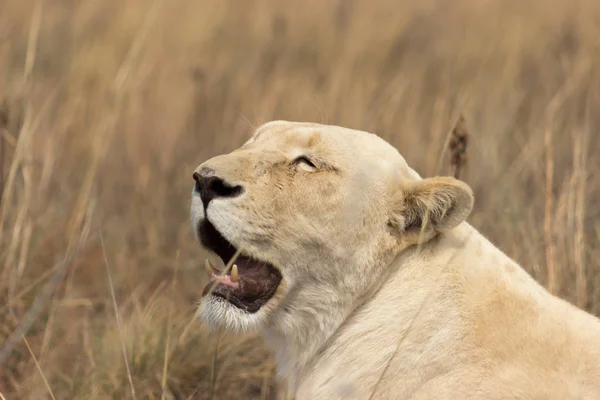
211 187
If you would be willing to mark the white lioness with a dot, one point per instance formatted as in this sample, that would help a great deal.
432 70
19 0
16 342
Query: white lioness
367 282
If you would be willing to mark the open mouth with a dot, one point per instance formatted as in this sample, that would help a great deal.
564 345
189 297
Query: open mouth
249 284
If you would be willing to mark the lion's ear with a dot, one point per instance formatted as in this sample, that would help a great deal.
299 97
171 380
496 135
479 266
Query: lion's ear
433 205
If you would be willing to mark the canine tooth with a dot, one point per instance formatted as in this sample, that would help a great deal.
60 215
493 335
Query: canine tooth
235 276
208 267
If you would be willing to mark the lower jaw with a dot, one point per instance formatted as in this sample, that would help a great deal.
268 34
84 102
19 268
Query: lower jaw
250 307
241 292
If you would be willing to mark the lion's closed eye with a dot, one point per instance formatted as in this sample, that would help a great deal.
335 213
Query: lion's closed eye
304 163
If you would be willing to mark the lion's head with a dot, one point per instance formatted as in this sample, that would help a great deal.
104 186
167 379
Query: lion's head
316 213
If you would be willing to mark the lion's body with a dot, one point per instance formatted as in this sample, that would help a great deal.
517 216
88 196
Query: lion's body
387 291
460 320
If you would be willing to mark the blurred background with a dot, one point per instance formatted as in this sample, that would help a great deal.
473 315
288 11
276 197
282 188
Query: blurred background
107 107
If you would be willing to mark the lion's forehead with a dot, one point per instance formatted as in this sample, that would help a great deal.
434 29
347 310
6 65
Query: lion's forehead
344 145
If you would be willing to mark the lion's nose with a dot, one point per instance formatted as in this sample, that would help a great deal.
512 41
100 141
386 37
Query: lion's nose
210 187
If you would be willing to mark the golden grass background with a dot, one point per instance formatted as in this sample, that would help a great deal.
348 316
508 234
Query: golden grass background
107 107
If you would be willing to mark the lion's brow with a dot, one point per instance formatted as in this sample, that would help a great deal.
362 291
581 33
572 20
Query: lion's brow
266 127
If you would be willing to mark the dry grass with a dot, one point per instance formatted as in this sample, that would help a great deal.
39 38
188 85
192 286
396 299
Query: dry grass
107 107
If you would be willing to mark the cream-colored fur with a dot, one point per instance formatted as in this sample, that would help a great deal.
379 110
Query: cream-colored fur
387 291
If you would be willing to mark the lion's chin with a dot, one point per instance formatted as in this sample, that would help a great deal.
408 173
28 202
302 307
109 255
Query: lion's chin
216 312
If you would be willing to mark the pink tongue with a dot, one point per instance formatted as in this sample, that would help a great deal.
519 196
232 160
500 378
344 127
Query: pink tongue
225 281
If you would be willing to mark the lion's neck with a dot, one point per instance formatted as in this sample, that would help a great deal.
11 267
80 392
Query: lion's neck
300 336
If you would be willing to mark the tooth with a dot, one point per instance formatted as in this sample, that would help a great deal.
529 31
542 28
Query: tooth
208 267
235 276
